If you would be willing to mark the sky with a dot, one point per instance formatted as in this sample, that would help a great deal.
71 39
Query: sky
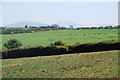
85 13
59 0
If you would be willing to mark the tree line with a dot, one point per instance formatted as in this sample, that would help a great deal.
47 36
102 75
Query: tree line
30 29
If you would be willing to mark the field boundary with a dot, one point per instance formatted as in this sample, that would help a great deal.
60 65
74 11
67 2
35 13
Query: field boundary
58 50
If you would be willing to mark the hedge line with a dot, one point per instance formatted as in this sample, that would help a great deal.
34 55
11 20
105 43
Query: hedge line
93 47
57 50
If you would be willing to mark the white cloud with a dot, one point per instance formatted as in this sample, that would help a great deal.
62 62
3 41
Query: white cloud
60 0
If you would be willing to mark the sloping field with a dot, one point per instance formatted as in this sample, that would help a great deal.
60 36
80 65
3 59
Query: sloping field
67 36
83 65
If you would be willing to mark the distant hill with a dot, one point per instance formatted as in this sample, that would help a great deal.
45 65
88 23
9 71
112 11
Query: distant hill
68 23
22 24
65 24
98 25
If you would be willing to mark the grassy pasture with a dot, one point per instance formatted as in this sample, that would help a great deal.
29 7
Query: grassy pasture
83 65
67 36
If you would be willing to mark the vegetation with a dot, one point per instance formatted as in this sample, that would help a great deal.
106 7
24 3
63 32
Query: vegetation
86 65
6 30
68 37
69 65
57 43
30 29
27 29
12 43
57 50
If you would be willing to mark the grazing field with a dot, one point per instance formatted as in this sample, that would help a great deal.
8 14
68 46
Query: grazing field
83 65
67 36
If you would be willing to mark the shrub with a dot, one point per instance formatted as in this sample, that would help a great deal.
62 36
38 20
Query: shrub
63 48
4 54
77 43
12 43
55 50
57 43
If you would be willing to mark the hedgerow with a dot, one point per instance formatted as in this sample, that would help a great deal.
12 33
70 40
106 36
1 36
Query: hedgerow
57 50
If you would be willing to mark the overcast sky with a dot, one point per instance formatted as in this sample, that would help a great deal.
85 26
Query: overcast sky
86 13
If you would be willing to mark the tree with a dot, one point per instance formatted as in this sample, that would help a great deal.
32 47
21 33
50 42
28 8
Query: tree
101 27
55 25
118 25
63 27
12 43
6 31
26 26
71 26
108 27
30 26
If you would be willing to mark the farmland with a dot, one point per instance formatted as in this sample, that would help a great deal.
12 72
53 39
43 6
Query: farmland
83 65
69 37
59 40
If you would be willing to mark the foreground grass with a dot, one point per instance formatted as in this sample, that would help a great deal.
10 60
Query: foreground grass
82 65
69 37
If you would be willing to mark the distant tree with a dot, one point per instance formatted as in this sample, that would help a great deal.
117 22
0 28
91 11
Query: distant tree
71 26
118 25
6 31
109 27
93 28
30 26
34 27
63 27
12 43
78 28
55 25
48 26
101 27
26 26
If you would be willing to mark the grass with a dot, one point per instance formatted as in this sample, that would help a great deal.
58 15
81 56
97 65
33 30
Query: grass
83 65
67 36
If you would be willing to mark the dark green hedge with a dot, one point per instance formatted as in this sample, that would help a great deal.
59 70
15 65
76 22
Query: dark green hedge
57 50
93 47
35 51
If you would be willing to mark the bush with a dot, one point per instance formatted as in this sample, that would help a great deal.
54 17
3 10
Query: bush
12 43
57 43
77 43
63 49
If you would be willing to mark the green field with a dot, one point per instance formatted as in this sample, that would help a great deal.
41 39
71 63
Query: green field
83 65
67 36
